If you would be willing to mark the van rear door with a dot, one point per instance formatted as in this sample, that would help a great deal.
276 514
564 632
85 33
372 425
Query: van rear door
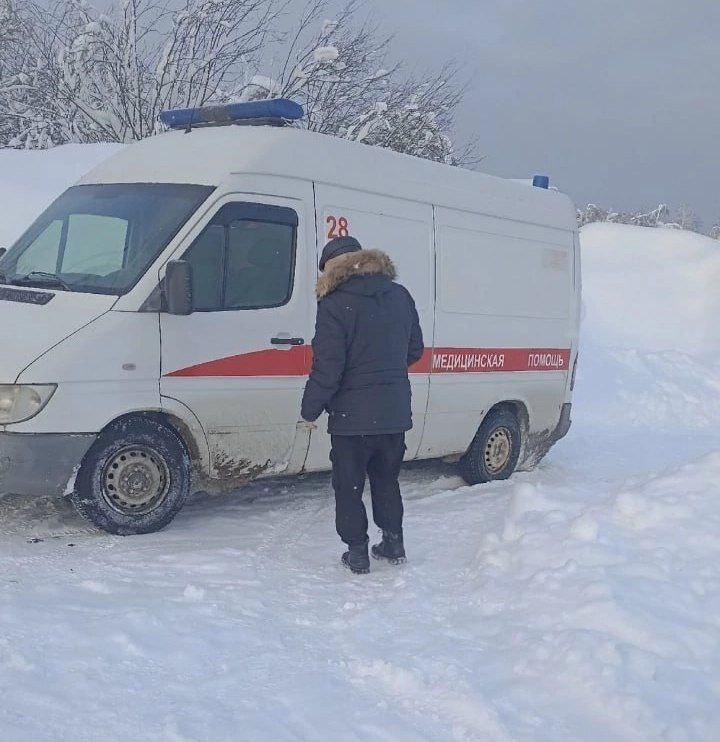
504 324
239 361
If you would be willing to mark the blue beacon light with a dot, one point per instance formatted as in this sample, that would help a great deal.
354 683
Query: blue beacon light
541 181
273 110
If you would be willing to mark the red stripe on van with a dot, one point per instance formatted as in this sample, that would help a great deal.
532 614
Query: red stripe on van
298 360
292 362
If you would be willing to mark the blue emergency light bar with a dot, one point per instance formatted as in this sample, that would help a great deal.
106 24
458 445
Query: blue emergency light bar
272 111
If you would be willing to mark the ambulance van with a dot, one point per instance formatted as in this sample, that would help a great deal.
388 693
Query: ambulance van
156 319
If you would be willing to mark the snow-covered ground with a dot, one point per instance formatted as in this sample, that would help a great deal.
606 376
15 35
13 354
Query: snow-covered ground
580 601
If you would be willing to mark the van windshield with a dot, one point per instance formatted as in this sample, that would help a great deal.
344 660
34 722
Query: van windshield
100 238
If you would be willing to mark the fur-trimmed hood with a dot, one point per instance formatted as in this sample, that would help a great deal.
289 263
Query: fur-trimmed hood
351 264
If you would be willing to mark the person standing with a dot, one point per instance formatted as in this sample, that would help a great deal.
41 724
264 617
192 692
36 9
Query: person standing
367 334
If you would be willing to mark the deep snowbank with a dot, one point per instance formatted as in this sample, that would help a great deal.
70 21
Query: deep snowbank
578 601
651 290
609 600
30 181
650 353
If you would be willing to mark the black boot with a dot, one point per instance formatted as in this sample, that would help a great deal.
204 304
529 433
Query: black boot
391 548
357 559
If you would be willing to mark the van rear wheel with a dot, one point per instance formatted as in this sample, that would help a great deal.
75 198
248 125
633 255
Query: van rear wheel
134 479
495 450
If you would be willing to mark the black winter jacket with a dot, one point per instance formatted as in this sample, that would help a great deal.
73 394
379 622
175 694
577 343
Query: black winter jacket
367 334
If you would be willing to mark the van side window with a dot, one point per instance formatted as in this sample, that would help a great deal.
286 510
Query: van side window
206 256
244 259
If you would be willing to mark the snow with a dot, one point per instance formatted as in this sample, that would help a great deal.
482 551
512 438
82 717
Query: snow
673 304
31 180
577 601
326 54
651 348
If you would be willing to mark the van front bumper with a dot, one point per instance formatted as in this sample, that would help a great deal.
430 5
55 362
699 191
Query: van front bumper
40 464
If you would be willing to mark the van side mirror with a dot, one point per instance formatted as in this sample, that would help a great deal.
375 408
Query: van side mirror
3 250
178 287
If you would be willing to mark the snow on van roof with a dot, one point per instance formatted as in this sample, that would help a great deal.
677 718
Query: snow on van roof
212 156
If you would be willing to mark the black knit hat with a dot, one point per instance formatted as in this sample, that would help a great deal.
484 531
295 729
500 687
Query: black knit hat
338 246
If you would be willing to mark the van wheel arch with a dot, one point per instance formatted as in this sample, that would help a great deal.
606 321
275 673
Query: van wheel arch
174 423
187 436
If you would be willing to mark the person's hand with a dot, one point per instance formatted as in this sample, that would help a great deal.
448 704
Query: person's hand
307 425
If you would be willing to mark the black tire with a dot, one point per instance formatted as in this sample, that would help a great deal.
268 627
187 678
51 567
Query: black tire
134 479
499 429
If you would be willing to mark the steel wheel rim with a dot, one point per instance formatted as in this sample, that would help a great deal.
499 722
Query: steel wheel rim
136 480
498 450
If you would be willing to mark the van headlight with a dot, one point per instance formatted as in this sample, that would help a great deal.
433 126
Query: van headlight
20 402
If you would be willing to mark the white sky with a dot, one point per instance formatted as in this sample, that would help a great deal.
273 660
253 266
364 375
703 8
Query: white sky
618 101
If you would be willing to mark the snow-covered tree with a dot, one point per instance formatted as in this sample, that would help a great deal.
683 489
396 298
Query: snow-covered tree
415 118
11 62
9 31
686 218
657 217
334 68
339 72
661 216
105 76
591 214
32 108
79 74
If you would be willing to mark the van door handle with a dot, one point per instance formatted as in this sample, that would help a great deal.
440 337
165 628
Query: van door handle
287 341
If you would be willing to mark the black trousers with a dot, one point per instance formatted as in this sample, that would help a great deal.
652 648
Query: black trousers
380 458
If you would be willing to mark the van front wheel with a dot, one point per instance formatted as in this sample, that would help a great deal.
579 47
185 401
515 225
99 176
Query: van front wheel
134 479
495 450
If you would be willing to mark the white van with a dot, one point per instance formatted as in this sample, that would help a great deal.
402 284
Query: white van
156 320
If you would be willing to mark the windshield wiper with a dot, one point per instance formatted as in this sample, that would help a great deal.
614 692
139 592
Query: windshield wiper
42 279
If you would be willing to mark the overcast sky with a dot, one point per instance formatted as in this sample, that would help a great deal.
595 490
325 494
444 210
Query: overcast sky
617 100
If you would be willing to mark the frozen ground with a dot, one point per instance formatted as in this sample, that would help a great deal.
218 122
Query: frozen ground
579 601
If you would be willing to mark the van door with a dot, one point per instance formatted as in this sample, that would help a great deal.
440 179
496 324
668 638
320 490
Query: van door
402 229
240 360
